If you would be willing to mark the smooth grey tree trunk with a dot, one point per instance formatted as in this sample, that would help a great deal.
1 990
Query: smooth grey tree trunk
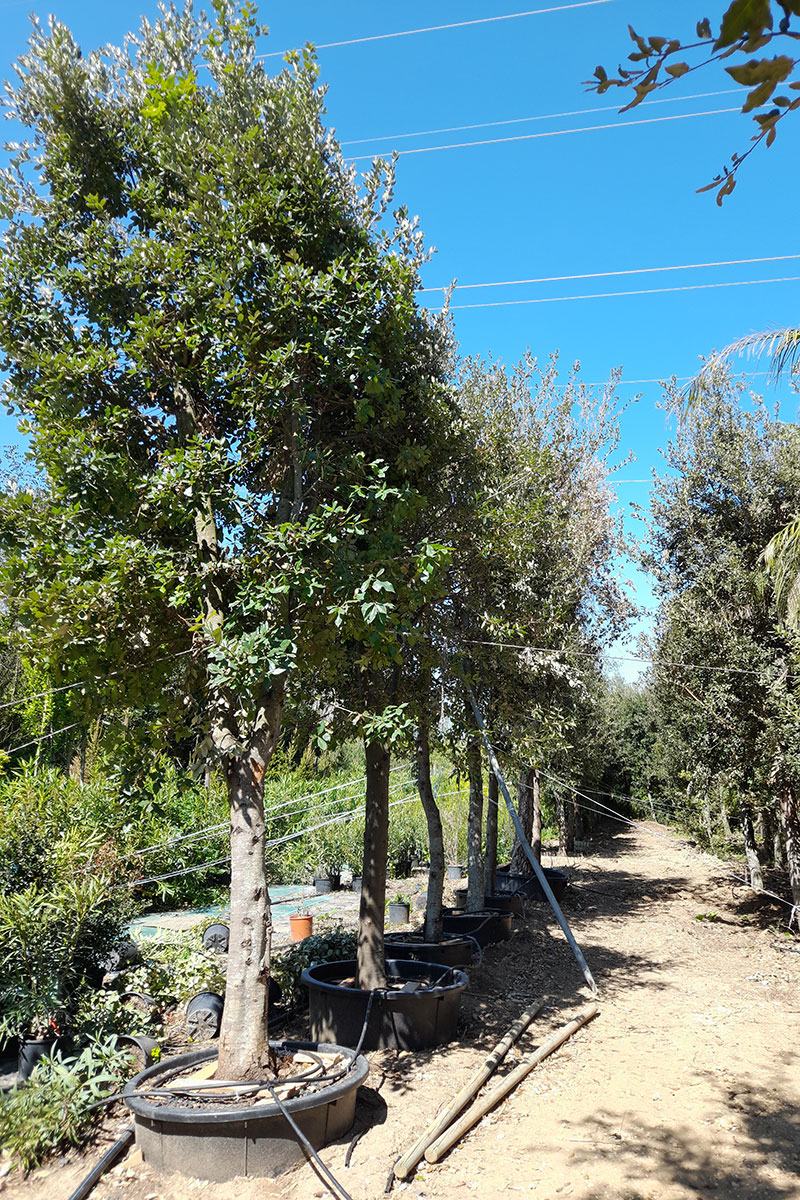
790 820
750 848
371 969
561 816
433 906
525 811
492 813
475 829
244 1040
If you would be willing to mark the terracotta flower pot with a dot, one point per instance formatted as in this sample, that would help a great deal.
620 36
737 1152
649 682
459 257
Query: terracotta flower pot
301 926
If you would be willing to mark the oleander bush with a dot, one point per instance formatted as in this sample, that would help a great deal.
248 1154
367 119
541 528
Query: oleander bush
58 1105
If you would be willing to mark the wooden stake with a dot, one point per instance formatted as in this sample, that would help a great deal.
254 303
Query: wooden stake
405 1165
488 1102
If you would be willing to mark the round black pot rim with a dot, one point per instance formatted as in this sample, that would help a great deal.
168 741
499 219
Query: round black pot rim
409 968
411 940
359 1069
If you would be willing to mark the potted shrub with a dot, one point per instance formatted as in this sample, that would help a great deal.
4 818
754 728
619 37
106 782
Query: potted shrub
330 846
53 941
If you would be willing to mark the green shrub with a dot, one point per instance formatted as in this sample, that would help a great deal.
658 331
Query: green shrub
53 943
408 838
329 945
174 968
53 1108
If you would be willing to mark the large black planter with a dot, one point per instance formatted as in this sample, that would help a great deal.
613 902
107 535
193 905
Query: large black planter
529 886
510 902
484 927
402 1020
450 952
221 1143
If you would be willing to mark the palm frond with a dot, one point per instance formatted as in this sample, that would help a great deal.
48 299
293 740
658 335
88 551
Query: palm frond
781 345
782 560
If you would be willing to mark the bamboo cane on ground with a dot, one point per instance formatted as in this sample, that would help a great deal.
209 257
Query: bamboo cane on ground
406 1164
488 1102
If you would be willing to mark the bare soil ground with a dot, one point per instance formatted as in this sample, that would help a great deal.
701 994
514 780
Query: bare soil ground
686 1085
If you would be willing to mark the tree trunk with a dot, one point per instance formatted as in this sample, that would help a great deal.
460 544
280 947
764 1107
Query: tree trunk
244 1040
778 847
371 969
536 826
569 842
433 907
750 848
525 811
561 815
790 820
723 816
491 833
475 830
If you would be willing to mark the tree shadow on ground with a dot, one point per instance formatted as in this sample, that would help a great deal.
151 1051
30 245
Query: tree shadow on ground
726 882
765 1166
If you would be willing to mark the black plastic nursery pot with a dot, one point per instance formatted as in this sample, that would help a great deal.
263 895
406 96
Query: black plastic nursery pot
528 885
223 1142
217 937
31 1051
398 1019
484 927
450 952
495 903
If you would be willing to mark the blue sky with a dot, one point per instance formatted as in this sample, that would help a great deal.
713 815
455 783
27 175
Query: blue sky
614 199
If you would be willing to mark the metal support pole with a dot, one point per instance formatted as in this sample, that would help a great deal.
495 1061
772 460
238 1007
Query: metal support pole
540 875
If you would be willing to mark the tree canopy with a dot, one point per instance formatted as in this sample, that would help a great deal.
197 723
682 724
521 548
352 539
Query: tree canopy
209 328
743 40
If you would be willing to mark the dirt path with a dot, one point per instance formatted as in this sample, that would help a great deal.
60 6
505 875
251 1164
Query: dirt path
686 1085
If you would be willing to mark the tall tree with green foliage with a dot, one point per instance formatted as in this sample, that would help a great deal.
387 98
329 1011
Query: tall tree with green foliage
726 667
209 329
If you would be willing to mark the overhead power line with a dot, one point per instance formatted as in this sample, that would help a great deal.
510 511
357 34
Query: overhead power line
689 287
637 658
658 379
575 112
729 262
527 137
381 37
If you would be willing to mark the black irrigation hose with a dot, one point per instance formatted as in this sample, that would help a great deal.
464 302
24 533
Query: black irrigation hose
325 1175
109 1158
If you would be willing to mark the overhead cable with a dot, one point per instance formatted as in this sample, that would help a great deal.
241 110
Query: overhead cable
66 687
661 379
527 137
689 287
53 733
576 112
213 830
640 658
606 810
380 37
289 837
730 262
